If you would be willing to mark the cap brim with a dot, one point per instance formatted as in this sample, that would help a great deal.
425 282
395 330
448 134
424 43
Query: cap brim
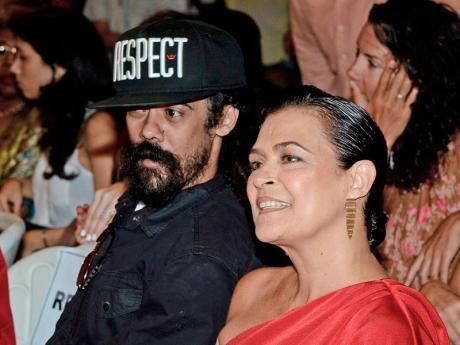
150 99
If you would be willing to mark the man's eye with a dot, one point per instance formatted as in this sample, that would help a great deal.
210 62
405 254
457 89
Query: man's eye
138 112
173 112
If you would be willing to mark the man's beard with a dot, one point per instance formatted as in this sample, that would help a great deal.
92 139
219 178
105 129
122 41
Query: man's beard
159 186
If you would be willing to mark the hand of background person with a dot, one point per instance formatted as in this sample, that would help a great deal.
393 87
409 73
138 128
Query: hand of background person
37 239
94 220
80 232
11 197
437 253
447 304
34 240
391 101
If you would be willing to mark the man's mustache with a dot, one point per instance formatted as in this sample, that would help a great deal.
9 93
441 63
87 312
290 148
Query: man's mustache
154 152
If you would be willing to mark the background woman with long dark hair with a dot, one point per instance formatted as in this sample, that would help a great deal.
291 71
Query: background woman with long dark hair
406 75
20 127
62 65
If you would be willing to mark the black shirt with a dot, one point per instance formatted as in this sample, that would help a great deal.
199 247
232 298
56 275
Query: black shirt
166 276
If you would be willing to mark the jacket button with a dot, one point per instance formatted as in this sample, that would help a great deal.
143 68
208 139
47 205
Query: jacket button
106 306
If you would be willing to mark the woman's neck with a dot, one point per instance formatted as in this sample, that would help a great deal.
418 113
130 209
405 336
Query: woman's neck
10 106
325 266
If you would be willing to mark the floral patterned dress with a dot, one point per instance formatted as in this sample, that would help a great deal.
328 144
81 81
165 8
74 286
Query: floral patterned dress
19 151
414 216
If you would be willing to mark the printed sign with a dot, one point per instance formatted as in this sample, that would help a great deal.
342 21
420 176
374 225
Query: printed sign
61 290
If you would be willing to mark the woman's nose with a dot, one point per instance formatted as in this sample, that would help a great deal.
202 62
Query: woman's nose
14 66
353 71
263 177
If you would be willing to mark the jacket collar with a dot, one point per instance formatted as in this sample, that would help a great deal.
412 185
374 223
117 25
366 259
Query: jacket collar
153 220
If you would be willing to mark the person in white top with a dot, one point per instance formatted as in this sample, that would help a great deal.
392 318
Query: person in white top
112 17
62 65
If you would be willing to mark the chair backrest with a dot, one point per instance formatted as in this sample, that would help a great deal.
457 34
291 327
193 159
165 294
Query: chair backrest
40 286
11 230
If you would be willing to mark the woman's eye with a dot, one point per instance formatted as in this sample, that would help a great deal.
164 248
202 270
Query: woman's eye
255 165
372 64
173 112
290 159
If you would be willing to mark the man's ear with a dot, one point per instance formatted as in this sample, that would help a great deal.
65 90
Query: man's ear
227 121
362 176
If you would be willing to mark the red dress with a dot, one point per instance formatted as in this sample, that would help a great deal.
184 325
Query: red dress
6 320
376 312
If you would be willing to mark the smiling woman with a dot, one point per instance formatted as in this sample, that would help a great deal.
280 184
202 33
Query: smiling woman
318 169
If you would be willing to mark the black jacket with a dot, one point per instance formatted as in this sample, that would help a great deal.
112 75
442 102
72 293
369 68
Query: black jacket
166 275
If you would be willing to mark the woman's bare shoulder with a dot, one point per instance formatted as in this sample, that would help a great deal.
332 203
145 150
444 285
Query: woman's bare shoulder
257 285
252 301
263 274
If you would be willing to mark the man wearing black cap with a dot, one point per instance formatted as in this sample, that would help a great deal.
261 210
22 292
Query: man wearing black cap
164 270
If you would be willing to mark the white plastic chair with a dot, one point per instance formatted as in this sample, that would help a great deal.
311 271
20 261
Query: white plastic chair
40 285
11 229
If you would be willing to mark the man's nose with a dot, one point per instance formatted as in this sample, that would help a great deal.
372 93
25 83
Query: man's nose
152 129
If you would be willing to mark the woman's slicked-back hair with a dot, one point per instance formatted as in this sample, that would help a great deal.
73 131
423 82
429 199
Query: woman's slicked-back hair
67 39
424 37
354 136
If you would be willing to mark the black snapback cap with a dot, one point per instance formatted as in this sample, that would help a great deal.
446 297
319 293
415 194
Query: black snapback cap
173 61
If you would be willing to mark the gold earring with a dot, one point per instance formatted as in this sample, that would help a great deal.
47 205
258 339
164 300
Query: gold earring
350 215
